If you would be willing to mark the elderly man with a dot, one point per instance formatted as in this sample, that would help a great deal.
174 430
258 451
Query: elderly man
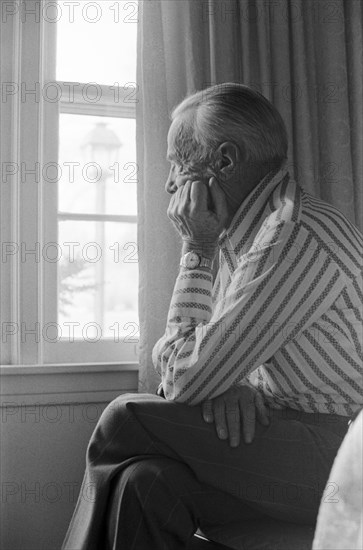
267 346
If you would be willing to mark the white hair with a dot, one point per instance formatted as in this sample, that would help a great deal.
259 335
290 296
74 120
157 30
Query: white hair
227 112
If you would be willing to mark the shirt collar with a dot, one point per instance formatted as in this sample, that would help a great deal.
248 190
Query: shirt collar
248 215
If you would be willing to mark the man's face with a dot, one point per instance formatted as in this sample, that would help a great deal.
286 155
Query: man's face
179 173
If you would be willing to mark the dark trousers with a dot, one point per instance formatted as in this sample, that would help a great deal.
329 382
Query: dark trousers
176 475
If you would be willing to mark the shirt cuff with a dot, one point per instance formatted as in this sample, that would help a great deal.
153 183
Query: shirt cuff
192 295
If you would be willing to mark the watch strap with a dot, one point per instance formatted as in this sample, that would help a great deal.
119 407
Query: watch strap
205 262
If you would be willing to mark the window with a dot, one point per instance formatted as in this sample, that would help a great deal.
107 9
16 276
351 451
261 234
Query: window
69 252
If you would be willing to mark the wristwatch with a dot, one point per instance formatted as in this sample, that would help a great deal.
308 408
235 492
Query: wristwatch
192 260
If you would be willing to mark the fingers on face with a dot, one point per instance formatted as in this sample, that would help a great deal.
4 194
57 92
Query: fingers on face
177 203
171 207
182 199
218 198
198 195
190 196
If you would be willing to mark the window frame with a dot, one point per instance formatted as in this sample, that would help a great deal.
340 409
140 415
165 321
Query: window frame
110 349
33 125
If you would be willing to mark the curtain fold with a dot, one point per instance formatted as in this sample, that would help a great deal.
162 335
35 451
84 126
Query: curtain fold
305 56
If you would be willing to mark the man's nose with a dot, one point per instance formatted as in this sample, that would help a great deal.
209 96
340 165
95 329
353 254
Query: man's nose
170 186
174 181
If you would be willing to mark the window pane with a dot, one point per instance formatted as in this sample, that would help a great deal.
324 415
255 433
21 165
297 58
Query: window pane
97 158
97 41
97 280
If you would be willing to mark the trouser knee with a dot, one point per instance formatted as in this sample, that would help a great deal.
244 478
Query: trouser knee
115 414
114 419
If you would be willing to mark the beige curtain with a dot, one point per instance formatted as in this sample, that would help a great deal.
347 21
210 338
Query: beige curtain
303 55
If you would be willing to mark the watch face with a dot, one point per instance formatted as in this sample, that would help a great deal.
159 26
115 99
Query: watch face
192 260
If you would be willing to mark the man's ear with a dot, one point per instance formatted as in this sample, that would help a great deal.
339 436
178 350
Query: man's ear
228 156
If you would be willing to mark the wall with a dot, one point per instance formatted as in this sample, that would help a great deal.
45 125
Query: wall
43 444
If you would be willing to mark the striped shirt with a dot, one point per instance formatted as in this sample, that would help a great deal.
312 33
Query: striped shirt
284 313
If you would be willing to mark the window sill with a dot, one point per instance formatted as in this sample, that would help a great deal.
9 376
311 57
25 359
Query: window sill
66 383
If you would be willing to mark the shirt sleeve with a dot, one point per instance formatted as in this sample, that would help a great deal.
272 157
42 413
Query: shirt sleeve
281 285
